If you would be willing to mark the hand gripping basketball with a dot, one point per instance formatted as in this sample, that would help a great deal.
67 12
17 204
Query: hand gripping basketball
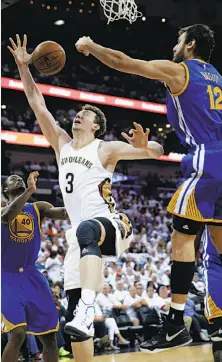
82 45
19 51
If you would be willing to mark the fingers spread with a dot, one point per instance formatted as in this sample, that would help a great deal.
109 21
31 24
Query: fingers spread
10 49
14 46
18 40
132 131
24 41
138 127
126 136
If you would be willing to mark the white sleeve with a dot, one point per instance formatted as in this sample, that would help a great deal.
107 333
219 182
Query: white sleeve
114 300
128 301
159 303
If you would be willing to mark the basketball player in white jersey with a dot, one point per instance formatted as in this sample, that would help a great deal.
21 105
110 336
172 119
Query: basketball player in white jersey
86 165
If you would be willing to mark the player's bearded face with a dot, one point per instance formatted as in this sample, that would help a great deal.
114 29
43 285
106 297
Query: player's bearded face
179 49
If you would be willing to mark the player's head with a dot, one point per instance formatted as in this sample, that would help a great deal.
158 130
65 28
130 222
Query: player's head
90 119
194 41
13 186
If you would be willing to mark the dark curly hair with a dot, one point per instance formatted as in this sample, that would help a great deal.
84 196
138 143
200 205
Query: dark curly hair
100 119
204 37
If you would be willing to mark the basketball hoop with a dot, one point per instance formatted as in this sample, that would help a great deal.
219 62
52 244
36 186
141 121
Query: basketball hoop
120 9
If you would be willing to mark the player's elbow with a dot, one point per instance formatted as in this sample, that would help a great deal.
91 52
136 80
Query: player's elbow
37 107
156 149
160 150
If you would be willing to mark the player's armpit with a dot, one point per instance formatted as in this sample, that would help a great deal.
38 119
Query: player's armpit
48 210
118 150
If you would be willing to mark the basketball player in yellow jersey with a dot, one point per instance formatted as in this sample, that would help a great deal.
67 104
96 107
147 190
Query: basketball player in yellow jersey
194 109
86 165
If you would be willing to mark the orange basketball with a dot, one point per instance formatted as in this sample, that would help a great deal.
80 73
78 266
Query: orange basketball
49 58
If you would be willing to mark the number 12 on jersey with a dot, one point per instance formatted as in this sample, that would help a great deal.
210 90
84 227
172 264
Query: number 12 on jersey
69 182
215 95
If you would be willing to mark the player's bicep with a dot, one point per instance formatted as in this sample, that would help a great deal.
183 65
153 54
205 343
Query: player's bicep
162 70
123 151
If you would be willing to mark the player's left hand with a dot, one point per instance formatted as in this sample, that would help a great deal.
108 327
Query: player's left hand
139 138
31 182
19 51
82 45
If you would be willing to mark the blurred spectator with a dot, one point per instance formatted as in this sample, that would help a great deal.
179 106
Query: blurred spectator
107 301
120 294
162 303
133 301
53 266
112 327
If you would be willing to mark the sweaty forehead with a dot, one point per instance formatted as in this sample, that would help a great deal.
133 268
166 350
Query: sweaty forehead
12 178
86 112
182 37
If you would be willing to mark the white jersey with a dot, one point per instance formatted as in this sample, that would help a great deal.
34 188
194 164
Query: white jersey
85 184
86 190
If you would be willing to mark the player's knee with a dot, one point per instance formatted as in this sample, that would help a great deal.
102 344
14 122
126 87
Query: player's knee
49 342
88 235
18 336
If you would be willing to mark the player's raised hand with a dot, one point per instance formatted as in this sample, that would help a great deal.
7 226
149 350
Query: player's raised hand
82 45
32 179
139 138
19 51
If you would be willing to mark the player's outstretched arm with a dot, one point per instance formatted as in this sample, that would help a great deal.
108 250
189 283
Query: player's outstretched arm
55 135
162 70
138 148
48 210
9 212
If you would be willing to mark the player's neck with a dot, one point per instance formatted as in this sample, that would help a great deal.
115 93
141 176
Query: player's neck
81 140
13 197
192 57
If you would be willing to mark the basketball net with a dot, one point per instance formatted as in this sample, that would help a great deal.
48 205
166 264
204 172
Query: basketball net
120 9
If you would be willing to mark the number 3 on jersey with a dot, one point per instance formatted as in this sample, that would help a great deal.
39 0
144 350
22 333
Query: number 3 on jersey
215 95
69 183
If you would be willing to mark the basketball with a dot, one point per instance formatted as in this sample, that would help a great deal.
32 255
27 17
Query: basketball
49 58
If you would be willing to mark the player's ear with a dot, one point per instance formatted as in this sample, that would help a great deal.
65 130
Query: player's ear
5 190
96 126
191 44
